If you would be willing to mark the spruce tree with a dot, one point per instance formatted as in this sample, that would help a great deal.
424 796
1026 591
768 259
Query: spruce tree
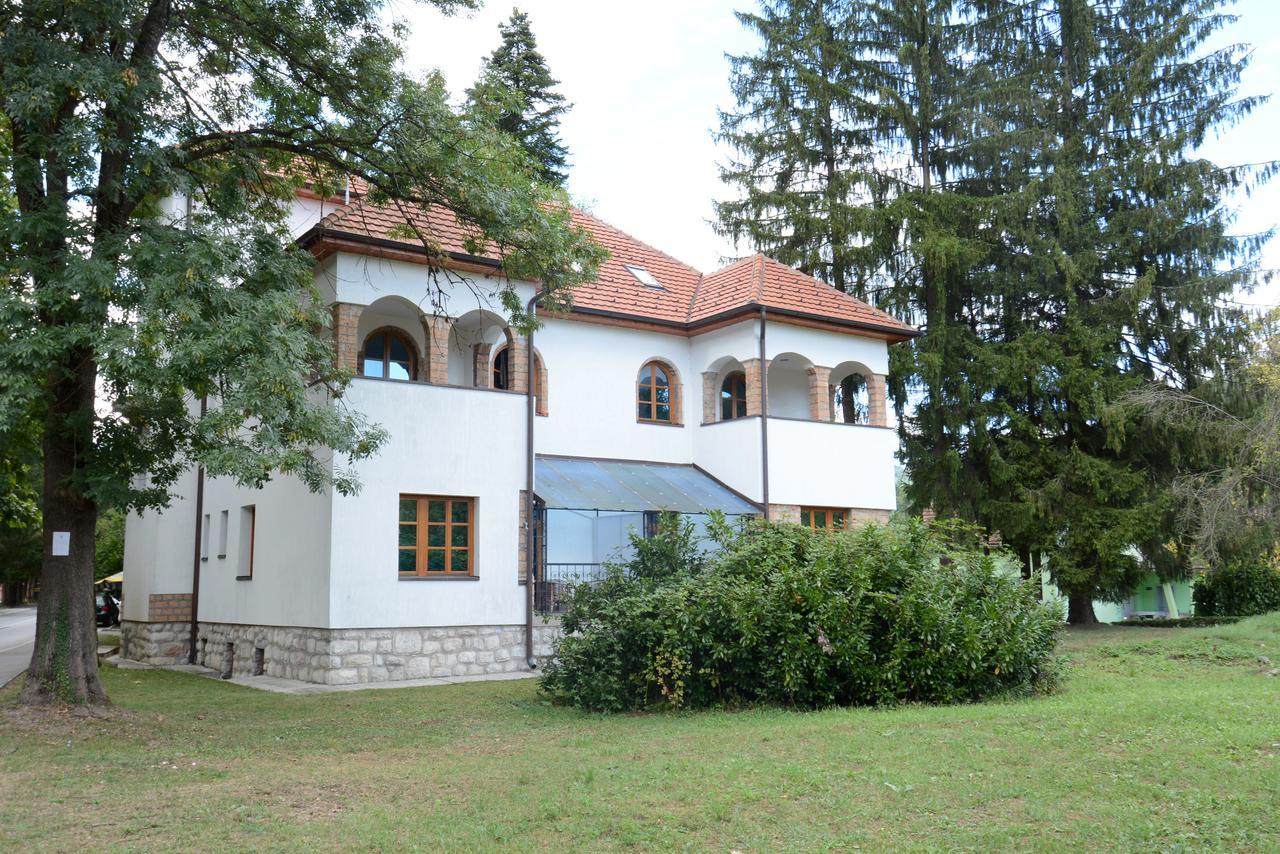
1020 182
516 85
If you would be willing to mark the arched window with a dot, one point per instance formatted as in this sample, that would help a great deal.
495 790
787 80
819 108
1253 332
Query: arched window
502 369
653 394
390 354
733 396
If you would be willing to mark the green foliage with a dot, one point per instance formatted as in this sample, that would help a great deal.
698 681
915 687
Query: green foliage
109 544
516 88
1021 181
785 615
1240 589
126 312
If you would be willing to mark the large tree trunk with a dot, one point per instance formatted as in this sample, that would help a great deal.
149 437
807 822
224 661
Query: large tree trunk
64 665
1080 610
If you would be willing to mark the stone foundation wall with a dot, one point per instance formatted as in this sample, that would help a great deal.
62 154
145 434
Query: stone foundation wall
342 656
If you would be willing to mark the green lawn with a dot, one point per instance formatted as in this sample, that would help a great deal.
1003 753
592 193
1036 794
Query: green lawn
1159 740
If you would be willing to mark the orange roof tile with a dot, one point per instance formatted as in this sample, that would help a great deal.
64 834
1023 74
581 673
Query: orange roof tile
686 299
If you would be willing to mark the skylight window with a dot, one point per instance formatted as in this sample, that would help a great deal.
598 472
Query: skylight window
644 277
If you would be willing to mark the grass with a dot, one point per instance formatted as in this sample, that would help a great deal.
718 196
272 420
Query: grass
1161 739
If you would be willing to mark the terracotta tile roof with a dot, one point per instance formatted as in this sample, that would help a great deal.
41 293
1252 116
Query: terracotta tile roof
686 297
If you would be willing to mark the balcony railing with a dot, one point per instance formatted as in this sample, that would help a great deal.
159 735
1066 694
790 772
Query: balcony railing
551 591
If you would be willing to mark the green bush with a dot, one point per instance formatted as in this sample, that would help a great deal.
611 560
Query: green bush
785 615
1240 589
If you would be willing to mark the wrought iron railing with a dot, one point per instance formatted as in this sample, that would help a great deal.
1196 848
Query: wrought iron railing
551 589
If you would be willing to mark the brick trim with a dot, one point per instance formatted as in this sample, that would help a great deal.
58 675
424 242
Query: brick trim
169 607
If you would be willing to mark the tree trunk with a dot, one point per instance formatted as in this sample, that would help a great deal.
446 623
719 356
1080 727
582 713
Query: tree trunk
64 665
1080 610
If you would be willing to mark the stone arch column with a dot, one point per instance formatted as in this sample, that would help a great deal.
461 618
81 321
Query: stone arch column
819 393
755 372
436 364
709 395
481 365
877 401
346 322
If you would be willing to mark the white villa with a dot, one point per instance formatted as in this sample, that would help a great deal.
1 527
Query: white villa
662 389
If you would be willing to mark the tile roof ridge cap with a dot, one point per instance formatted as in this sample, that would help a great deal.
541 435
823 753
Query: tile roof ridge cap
339 213
839 293
634 239
693 300
760 259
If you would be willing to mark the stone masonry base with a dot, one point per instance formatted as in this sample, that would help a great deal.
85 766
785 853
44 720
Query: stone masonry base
340 656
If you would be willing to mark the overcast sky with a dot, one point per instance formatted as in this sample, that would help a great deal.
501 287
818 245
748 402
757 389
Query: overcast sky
647 78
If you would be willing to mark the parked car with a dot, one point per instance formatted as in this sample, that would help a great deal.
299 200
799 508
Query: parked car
107 611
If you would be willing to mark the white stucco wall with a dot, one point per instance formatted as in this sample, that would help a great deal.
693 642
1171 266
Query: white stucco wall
290 540
831 465
444 441
158 550
730 452
591 373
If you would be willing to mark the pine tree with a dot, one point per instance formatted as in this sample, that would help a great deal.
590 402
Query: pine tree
802 136
516 85
1032 202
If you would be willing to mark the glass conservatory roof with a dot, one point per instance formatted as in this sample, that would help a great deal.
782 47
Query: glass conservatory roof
573 483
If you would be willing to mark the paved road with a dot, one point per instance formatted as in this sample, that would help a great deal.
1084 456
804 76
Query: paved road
17 637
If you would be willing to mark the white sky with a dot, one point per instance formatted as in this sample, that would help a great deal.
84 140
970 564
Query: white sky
647 78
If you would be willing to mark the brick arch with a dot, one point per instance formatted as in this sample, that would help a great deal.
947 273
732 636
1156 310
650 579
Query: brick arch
541 383
676 401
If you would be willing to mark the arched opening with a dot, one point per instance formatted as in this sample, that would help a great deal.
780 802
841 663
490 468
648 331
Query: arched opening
504 373
392 340
658 393
733 396
472 339
789 386
388 353
850 393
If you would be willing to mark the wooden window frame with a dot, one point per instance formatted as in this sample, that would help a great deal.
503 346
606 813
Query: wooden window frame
834 518
737 405
406 339
423 525
653 386
504 352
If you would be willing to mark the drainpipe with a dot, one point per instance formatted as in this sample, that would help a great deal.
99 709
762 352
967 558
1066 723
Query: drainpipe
530 558
195 559
764 422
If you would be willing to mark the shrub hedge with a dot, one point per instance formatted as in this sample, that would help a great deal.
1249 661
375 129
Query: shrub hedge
1198 621
784 615
1239 589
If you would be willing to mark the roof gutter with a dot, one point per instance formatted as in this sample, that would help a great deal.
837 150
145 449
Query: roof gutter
195 558
764 420
316 234
530 559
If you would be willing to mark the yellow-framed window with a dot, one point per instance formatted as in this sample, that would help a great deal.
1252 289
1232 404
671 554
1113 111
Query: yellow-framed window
824 518
436 536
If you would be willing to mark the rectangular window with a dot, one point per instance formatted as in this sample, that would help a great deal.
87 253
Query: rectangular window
823 518
204 537
436 536
248 531
222 533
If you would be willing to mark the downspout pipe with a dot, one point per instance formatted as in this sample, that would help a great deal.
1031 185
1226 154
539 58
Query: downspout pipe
195 557
764 420
530 560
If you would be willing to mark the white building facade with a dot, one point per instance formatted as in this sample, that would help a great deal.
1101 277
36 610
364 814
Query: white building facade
660 390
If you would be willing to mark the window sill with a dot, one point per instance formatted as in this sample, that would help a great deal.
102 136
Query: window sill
439 578
658 423
222 557
244 578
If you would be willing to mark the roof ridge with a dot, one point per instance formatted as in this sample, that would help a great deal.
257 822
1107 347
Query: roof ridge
759 259
635 239
693 300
